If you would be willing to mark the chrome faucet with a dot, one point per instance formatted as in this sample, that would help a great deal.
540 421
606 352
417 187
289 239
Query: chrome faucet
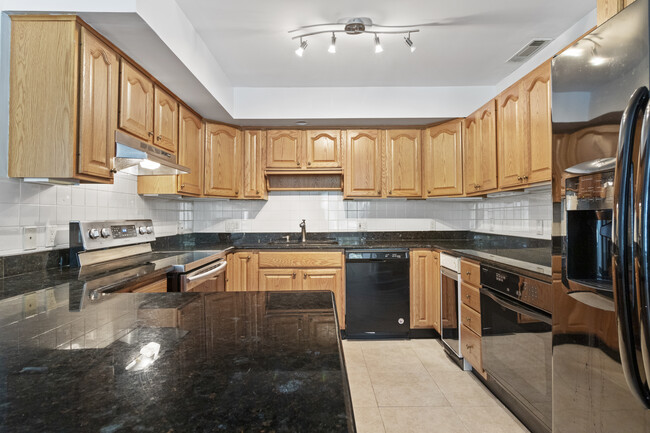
303 227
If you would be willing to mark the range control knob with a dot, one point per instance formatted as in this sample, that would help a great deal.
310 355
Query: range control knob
105 232
149 229
142 230
93 233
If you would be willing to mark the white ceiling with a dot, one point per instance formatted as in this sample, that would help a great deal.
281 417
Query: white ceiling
249 40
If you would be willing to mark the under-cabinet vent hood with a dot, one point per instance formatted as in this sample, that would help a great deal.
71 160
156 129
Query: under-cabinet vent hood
142 159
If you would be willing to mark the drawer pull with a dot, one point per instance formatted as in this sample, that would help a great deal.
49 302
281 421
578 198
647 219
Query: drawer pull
304 276
469 319
294 275
468 273
469 346
468 296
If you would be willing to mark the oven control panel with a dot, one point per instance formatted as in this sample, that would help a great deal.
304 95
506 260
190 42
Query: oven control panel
525 289
93 235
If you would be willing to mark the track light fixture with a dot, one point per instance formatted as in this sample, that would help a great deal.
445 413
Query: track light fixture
301 49
378 47
332 48
409 42
356 26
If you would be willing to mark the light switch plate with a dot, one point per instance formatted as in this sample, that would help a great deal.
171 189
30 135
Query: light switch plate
540 227
29 238
50 236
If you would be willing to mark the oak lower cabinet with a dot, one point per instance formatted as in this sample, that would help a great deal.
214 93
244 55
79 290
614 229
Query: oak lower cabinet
425 289
470 314
190 154
241 271
63 104
403 163
363 164
222 161
443 159
480 150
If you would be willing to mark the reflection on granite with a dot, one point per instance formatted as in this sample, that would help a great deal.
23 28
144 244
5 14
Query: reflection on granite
254 362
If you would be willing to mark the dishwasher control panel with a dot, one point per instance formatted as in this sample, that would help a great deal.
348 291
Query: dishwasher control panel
377 255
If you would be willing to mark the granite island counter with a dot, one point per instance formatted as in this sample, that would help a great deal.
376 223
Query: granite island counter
247 361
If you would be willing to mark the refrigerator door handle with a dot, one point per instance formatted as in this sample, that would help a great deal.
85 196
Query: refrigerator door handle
642 238
622 255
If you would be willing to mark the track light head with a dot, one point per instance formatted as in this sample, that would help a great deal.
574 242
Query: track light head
301 49
378 47
409 42
332 48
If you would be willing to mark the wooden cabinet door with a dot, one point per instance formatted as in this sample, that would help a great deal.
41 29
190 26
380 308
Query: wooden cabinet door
363 162
511 140
486 153
323 149
279 279
471 147
165 121
423 302
136 102
243 271
436 291
537 94
443 159
327 280
222 161
605 9
190 152
253 169
99 87
283 149
403 163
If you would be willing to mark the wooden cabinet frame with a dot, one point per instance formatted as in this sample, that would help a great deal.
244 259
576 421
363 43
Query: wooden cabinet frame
443 160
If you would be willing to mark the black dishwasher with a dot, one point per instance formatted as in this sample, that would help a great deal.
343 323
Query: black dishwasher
377 294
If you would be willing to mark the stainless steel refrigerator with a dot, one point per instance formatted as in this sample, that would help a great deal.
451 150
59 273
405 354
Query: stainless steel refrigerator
601 176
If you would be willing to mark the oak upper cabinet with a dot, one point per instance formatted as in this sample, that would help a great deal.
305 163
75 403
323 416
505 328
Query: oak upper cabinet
605 9
511 140
425 289
538 128
443 159
165 121
254 186
222 160
63 102
283 149
190 152
323 149
243 272
480 150
136 102
403 163
363 164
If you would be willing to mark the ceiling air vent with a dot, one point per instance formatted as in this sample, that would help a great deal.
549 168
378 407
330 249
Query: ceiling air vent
528 50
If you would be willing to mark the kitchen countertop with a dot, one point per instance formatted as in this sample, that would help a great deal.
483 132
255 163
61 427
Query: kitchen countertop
259 361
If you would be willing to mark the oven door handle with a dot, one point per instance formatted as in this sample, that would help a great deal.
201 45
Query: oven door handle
505 303
209 273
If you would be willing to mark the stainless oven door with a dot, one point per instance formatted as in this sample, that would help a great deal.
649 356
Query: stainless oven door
209 278
450 309
516 350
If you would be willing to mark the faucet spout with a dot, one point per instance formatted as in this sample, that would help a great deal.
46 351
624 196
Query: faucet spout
303 228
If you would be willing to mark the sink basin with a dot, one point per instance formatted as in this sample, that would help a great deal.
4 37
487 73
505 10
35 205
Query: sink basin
314 242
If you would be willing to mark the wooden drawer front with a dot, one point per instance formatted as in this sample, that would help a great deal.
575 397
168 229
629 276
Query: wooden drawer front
470 273
471 347
300 260
470 318
470 296
159 286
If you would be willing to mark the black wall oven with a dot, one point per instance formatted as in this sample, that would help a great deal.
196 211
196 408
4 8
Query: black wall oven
516 344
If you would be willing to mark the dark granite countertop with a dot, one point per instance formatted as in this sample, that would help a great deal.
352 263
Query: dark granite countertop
249 362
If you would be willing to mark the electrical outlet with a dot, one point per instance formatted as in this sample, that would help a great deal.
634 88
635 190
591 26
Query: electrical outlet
50 236
29 238
540 227
362 226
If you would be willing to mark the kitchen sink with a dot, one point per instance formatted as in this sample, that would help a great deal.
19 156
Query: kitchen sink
314 242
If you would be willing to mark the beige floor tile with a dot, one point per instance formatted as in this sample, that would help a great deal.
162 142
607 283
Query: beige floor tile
421 419
406 389
462 389
489 420
392 359
361 390
368 420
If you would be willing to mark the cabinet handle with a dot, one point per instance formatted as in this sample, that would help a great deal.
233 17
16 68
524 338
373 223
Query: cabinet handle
468 296
390 191
519 178
469 319
297 162
150 134
308 162
477 186
182 186
257 191
378 191
294 275
236 192
248 258
525 177
159 138
428 191
469 346
304 276
468 273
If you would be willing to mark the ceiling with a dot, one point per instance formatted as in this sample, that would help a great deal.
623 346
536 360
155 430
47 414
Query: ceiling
469 46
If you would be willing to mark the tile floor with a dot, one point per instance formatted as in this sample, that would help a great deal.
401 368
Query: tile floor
411 386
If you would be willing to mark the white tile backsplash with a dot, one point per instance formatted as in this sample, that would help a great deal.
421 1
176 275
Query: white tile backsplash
23 204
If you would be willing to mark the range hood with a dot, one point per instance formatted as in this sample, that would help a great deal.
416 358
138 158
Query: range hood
142 159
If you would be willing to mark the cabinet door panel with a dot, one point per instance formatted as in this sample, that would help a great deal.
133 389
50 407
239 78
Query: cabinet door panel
165 121
486 155
136 102
403 163
323 149
190 152
471 146
510 137
283 149
538 121
422 289
98 106
443 160
278 279
327 280
254 144
244 271
363 164
222 161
